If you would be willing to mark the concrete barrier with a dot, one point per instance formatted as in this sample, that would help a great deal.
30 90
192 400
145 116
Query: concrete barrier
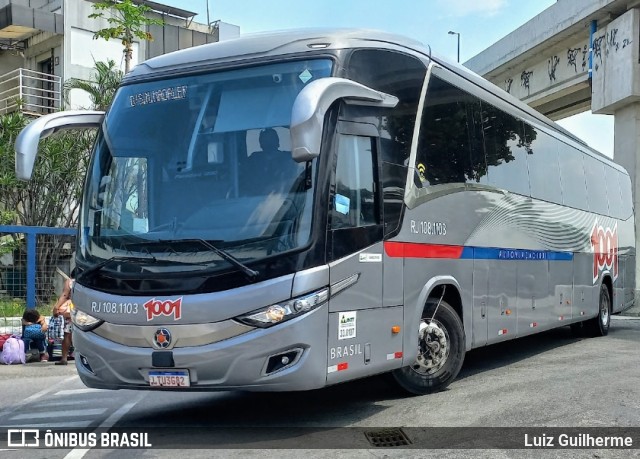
11 325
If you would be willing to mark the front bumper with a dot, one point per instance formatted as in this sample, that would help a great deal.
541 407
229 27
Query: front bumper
237 363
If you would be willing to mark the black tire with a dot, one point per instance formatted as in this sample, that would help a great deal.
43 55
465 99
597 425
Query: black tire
599 325
426 376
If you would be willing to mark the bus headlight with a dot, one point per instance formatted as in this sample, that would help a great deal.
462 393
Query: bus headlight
281 312
84 321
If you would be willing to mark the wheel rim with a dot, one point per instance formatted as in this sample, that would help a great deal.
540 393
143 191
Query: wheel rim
433 347
604 308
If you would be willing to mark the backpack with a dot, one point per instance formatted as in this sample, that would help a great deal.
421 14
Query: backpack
13 351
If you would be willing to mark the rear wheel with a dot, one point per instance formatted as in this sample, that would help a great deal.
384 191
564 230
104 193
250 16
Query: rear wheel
441 348
599 325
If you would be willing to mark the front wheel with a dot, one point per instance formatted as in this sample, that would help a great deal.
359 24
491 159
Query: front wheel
599 325
441 348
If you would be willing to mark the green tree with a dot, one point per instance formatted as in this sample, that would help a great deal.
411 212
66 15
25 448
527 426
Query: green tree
101 88
52 196
127 20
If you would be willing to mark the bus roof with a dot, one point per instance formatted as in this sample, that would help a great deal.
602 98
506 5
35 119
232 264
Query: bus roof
266 45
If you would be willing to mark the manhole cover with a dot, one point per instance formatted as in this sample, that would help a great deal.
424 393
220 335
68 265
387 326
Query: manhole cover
387 438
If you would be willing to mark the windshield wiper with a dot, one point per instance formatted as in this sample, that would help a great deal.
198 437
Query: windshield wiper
250 273
94 269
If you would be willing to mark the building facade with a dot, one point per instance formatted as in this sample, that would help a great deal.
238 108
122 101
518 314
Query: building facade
45 42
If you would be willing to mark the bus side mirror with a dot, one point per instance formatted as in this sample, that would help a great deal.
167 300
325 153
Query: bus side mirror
27 141
312 103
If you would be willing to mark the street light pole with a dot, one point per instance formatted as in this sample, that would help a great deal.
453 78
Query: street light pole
451 32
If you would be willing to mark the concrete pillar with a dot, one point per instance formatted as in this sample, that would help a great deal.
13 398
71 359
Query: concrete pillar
627 153
616 90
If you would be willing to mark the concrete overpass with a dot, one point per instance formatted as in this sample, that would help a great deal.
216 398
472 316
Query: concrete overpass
577 56
547 62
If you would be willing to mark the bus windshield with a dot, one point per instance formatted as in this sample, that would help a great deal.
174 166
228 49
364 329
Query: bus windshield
202 158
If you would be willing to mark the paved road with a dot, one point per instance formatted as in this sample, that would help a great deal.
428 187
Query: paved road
549 380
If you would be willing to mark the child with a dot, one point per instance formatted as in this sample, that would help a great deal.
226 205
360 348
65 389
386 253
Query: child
34 331
55 333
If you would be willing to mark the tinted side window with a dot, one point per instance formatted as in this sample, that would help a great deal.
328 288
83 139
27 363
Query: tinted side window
402 76
478 171
397 74
506 150
444 145
544 176
394 178
596 185
613 193
574 190
355 202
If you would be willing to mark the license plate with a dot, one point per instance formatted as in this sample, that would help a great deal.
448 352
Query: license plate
174 378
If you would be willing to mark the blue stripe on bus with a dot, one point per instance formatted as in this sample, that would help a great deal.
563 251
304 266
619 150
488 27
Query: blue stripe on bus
490 253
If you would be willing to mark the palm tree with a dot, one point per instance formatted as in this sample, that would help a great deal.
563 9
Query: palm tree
101 88
128 21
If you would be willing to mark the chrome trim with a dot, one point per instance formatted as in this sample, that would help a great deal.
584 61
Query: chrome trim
343 284
185 335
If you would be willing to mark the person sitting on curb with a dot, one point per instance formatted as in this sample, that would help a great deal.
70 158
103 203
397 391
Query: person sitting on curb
35 327
63 307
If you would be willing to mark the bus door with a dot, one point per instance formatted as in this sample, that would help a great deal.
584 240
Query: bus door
360 337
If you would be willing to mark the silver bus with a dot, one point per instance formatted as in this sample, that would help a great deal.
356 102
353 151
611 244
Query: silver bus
292 210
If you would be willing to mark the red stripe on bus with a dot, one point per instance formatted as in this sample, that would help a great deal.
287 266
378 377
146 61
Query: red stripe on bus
413 250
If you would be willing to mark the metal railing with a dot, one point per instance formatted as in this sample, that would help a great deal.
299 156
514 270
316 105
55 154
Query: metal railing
28 269
30 91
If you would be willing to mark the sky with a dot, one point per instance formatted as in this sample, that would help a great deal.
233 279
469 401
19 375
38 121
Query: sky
480 23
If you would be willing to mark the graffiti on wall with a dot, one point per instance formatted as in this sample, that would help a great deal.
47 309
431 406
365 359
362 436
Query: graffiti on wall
525 80
605 44
579 58
612 41
597 52
507 84
572 56
552 65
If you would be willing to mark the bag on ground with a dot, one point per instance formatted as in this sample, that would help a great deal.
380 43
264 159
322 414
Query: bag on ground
3 338
32 355
54 349
13 351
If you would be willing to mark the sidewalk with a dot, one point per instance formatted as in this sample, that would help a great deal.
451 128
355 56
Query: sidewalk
36 370
633 312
